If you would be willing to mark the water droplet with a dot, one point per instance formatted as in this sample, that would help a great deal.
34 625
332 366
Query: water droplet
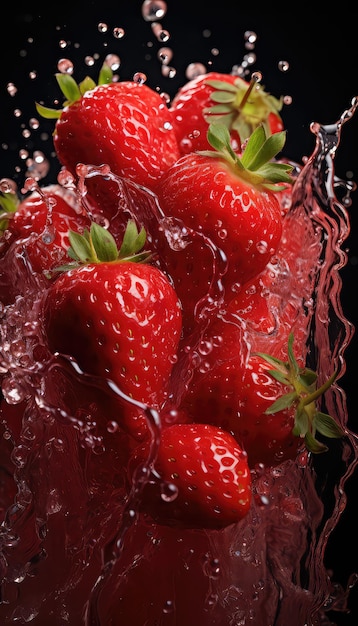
102 27
168 72
153 10
13 391
11 89
195 69
249 59
250 36
118 32
168 492
65 66
113 61
165 55
34 123
140 78
283 66
168 607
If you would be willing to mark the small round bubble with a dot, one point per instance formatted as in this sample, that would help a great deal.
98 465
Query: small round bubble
153 10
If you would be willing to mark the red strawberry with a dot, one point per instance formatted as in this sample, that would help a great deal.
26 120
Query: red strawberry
125 125
200 478
119 319
268 405
229 202
37 226
212 97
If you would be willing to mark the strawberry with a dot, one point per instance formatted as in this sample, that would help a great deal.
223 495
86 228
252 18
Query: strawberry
231 205
213 97
117 316
267 404
125 125
37 226
200 478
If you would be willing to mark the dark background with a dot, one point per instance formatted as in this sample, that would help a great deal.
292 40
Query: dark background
322 80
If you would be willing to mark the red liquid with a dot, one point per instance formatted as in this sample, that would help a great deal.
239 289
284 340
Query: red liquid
74 549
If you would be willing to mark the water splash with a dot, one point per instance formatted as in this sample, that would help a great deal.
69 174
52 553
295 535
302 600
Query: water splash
66 503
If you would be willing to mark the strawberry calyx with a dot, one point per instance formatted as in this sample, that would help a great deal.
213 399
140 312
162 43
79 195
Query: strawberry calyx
73 91
9 203
256 165
97 245
241 107
302 380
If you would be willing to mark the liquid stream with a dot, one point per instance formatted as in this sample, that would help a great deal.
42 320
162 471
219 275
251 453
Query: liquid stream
74 548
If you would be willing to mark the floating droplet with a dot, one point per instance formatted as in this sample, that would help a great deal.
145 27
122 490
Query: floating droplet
283 66
102 27
65 66
118 32
153 10
113 61
11 89
195 69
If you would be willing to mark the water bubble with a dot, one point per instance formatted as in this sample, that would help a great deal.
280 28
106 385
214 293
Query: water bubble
11 89
102 27
168 492
34 123
118 32
112 427
89 61
113 61
195 69
65 66
168 72
165 55
249 59
250 36
140 78
8 186
159 32
153 10
168 607
13 391
283 66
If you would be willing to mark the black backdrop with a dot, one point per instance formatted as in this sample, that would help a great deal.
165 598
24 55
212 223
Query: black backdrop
322 81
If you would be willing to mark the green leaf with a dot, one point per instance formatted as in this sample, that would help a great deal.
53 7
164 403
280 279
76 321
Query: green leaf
222 97
222 85
301 426
103 243
69 87
284 402
87 84
313 445
280 376
250 156
8 202
105 75
47 112
132 240
327 426
81 248
307 377
221 110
